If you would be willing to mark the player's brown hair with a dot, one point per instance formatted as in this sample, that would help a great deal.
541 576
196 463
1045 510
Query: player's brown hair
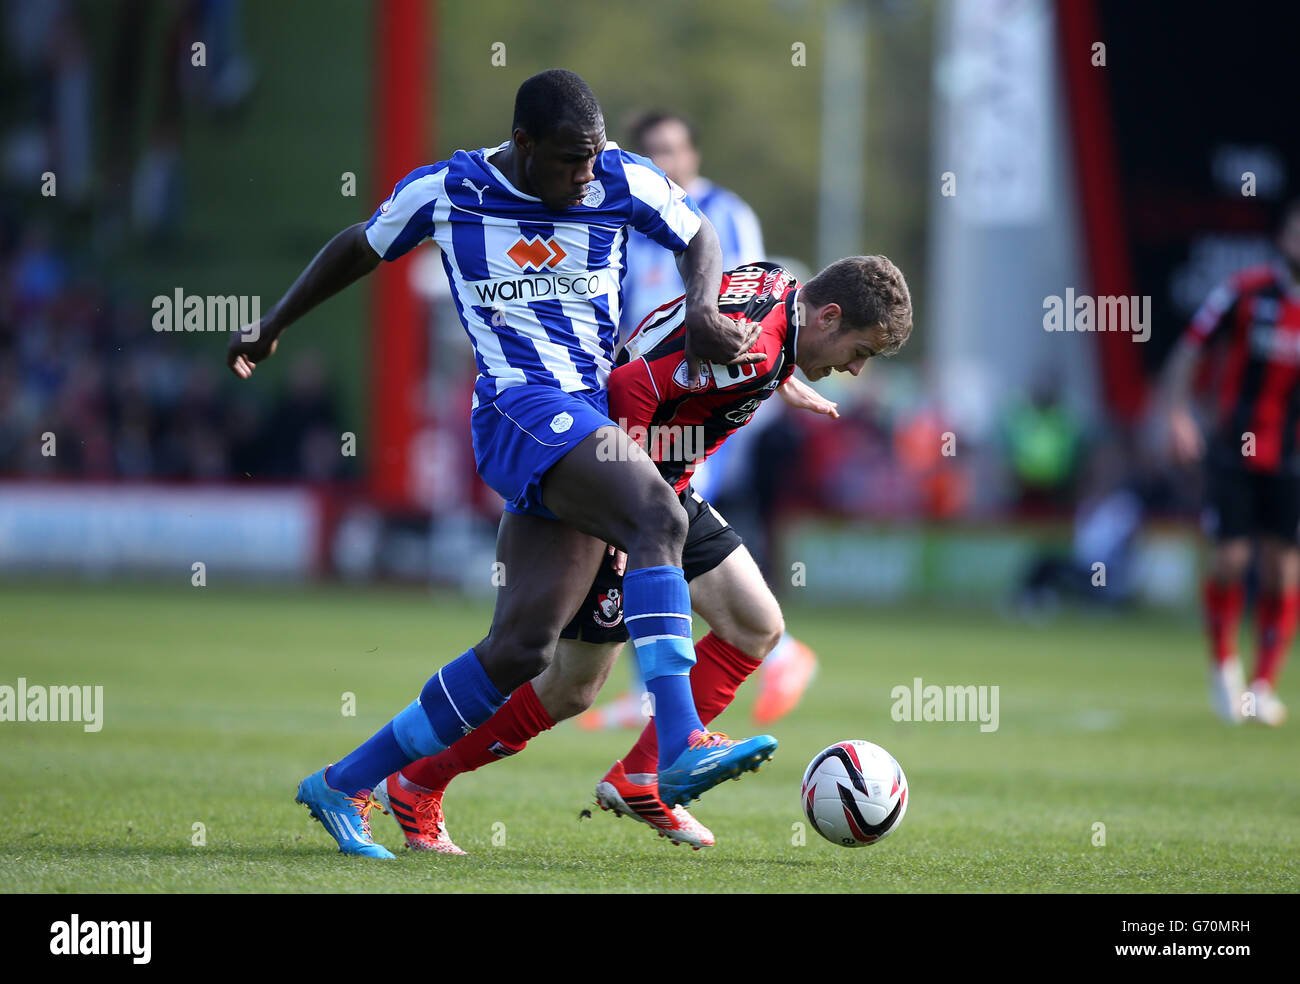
870 291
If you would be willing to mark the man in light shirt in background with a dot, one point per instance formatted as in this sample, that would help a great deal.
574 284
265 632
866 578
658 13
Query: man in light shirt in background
669 141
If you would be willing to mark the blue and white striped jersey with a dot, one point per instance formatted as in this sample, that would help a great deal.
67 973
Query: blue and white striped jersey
539 292
652 278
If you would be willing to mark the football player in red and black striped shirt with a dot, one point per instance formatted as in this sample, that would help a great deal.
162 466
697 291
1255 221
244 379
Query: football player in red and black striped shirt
855 309
1252 324
651 398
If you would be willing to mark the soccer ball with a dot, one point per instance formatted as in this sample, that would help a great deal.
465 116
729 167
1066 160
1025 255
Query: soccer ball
854 793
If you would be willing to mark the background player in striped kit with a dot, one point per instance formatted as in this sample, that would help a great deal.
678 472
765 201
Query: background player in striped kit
652 279
1252 466
857 308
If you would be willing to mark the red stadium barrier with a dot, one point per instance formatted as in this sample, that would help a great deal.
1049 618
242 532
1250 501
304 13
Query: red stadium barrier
1105 237
403 115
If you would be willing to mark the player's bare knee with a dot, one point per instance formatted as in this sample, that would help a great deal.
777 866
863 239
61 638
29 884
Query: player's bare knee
1229 564
529 662
661 521
573 702
677 523
760 631
755 632
773 632
517 657
756 641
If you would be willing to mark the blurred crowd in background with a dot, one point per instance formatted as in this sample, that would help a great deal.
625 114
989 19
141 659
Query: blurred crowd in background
77 358
103 97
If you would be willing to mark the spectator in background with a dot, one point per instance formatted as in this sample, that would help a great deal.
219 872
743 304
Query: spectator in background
1044 441
305 433
46 96
652 278
145 172
87 391
1113 499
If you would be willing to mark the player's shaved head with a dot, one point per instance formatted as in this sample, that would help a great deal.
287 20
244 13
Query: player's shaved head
558 133
553 99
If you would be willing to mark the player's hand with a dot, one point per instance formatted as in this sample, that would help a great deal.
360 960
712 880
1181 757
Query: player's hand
801 396
1185 441
713 337
620 559
249 347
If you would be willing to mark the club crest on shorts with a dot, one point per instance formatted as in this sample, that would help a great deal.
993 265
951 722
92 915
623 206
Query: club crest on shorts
682 376
609 609
561 422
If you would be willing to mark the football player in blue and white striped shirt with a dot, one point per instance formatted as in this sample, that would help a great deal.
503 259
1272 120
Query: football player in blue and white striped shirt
533 234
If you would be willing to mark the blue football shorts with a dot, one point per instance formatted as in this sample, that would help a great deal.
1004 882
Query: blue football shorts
524 431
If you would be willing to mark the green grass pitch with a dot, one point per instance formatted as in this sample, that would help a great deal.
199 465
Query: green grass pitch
217 701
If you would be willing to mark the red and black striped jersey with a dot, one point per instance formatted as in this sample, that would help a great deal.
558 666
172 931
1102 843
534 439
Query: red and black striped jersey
1255 316
648 390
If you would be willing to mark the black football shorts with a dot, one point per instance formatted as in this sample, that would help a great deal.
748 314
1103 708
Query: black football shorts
1244 503
709 541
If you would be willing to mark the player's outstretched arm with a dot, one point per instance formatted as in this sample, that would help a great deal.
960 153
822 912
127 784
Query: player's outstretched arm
711 335
803 397
1174 406
344 259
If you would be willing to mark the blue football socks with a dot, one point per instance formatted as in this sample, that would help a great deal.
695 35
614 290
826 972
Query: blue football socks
455 701
657 610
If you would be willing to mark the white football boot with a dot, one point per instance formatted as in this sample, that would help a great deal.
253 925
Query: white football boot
1227 683
1262 705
